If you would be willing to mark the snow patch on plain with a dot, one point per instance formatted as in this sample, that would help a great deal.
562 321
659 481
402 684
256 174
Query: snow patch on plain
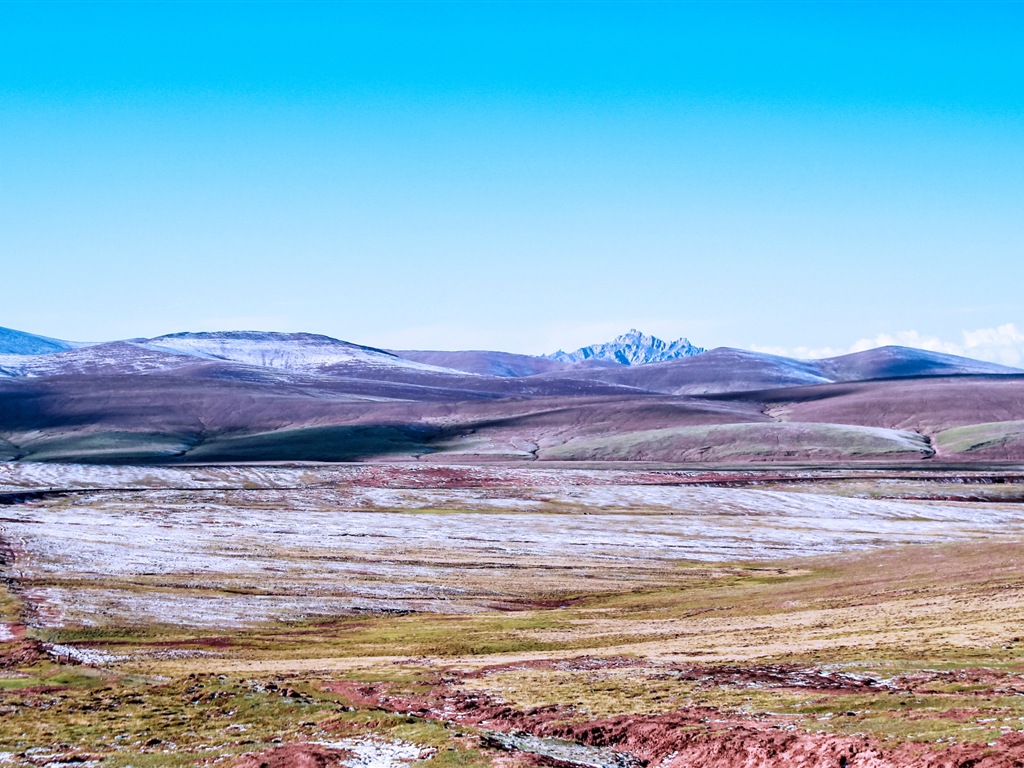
366 752
235 557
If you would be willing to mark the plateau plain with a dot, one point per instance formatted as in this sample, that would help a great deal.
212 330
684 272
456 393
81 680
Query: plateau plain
262 550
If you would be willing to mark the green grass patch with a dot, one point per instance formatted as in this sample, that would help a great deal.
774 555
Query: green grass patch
724 442
980 436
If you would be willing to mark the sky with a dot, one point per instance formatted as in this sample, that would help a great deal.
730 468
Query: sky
803 178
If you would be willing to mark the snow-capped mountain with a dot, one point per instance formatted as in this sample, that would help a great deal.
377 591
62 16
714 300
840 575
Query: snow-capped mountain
286 351
114 357
633 348
245 351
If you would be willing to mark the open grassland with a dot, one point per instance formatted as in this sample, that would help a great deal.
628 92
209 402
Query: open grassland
739 442
493 619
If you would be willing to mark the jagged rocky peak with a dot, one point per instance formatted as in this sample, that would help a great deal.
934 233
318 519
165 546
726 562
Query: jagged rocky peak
633 348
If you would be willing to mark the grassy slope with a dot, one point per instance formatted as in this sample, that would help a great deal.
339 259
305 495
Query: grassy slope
1007 435
725 442
324 443
103 447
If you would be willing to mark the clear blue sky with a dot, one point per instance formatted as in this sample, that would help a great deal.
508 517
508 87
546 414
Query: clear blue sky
512 175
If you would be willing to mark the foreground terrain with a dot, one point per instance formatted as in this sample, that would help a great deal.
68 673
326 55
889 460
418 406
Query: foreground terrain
380 615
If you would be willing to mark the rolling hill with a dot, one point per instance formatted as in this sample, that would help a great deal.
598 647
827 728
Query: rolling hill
260 396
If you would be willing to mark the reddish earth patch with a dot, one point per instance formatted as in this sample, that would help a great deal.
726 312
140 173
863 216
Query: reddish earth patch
20 651
512 606
477 476
391 476
454 476
294 756
694 736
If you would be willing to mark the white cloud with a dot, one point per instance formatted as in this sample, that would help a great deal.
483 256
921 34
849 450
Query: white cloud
1003 344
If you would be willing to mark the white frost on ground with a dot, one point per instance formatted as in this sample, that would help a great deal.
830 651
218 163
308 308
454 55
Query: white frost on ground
46 757
228 546
379 753
498 479
96 657
16 476
6 633
83 655
89 606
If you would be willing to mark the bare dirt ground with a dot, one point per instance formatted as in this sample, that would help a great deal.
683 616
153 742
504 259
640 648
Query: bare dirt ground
383 615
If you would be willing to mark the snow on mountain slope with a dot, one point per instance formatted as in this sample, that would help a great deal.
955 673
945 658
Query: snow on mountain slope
633 348
113 357
286 351
14 342
634 360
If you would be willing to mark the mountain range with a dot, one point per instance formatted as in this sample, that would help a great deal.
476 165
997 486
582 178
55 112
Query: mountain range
261 396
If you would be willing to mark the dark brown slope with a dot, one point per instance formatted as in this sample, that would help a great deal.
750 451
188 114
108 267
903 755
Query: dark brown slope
734 370
892 362
187 417
961 418
166 417
927 405
720 370
487 363
158 418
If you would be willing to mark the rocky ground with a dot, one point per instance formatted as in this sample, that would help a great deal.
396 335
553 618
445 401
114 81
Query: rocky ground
383 615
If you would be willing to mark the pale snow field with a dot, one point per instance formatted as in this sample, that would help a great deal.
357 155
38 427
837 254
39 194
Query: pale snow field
16 476
368 752
29 475
309 543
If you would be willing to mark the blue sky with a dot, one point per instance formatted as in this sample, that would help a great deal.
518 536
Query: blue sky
524 176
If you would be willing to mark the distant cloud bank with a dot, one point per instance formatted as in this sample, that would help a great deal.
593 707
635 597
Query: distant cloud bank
1003 344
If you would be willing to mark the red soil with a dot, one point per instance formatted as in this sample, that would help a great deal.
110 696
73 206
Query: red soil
294 756
477 476
696 736
20 651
